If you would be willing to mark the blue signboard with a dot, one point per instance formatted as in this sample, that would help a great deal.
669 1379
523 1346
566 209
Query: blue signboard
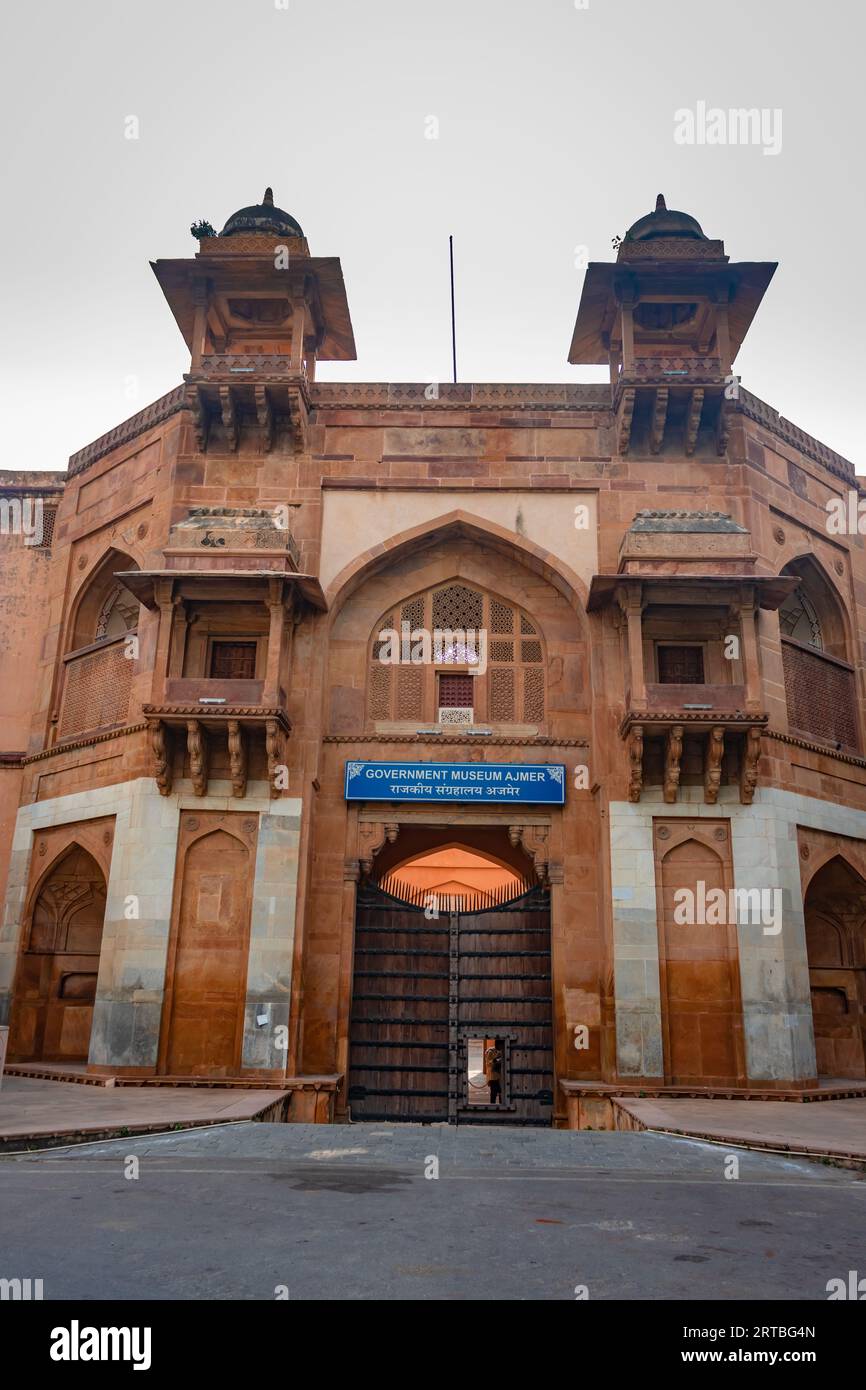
475 782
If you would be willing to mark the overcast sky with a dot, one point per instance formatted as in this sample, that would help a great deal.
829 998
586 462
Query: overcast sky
555 131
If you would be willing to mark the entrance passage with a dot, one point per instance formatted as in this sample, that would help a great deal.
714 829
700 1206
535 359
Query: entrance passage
452 1010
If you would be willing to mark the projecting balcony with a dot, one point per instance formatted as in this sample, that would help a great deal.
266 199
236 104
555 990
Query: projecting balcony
696 701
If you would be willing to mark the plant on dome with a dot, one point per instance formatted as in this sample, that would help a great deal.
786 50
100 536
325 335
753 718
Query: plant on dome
202 229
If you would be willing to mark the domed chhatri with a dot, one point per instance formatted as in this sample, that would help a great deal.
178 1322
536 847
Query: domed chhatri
262 217
665 222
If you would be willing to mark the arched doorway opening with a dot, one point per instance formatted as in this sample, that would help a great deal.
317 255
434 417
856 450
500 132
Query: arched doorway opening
835 910
58 968
452 1017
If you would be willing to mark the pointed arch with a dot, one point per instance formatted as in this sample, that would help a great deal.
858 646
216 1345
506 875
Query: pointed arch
820 682
834 908
103 608
458 524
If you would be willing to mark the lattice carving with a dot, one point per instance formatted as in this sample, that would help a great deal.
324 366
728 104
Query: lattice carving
501 702
413 613
97 690
533 695
410 692
404 692
501 617
458 607
379 692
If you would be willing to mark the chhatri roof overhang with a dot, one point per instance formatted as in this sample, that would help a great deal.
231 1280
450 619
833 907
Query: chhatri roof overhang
665 252
242 260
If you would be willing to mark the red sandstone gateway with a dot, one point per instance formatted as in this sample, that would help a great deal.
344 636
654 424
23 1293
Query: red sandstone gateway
189 889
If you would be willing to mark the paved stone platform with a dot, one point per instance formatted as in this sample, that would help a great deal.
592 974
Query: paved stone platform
831 1128
41 1111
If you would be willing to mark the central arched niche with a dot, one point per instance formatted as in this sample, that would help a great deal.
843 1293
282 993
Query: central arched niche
559 629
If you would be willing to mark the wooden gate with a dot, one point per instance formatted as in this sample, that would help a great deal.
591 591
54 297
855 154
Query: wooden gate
432 992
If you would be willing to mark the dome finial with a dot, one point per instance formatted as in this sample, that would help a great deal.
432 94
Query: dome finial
661 205
268 200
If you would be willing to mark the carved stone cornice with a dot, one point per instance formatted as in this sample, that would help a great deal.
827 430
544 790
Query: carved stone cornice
153 414
852 758
770 419
69 744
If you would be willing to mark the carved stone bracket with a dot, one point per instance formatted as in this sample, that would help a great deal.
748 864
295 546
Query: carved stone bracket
693 419
229 416
626 411
275 747
298 417
659 419
535 841
635 759
749 775
715 751
237 758
673 754
196 744
372 835
265 416
200 419
160 742
722 428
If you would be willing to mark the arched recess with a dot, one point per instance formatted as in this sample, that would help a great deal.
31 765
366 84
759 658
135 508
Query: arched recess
546 620
835 912
456 869
206 970
820 685
699 965
58 967
98 662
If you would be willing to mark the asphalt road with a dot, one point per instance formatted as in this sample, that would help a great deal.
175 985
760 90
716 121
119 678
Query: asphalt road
243 1211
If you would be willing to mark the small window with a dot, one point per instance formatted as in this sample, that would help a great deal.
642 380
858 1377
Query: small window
233 661
681 665
457 692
